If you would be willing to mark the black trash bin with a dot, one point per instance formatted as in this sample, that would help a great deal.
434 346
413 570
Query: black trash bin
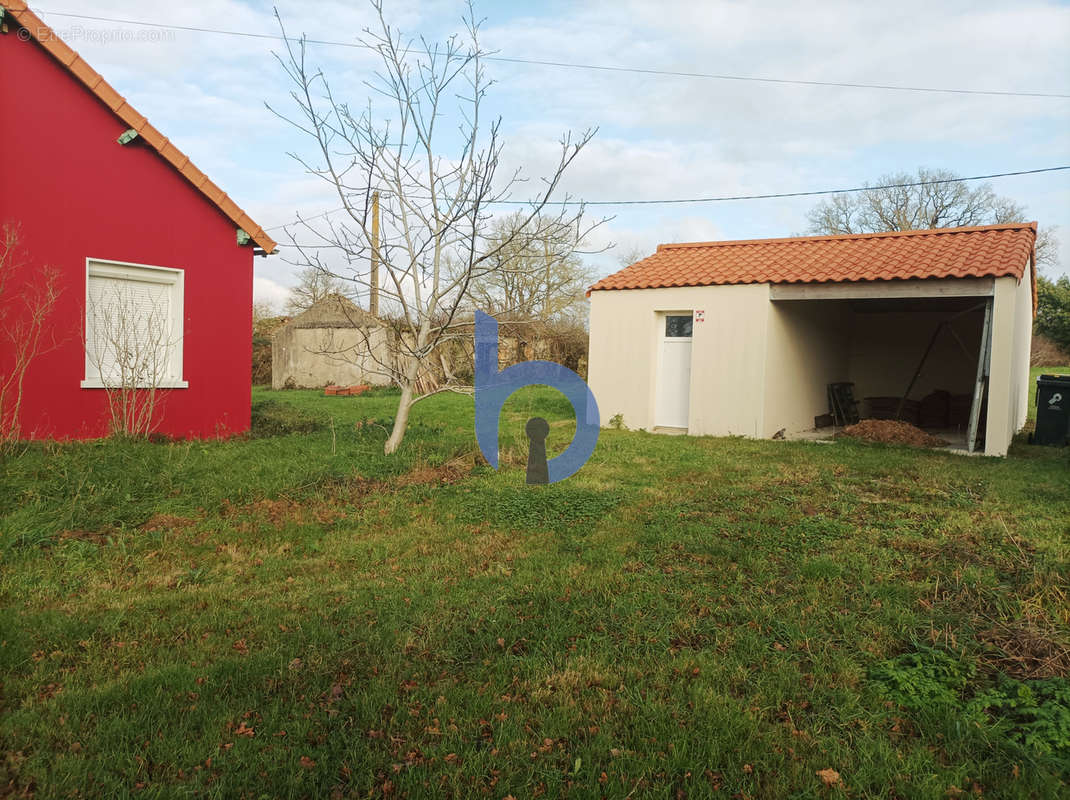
1053 410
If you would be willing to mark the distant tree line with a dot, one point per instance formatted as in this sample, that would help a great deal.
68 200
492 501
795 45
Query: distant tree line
1053 310
939 200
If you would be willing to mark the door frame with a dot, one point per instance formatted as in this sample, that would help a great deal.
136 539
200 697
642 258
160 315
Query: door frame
660 339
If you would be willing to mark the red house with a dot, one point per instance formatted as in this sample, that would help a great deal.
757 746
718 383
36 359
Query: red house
153 262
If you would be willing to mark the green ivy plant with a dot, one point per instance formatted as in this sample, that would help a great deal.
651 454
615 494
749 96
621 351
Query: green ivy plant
1033 715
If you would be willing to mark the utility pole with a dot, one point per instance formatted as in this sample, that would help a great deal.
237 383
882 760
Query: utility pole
373 300
546 300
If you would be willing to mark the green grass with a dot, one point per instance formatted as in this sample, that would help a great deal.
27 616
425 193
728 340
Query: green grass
296 615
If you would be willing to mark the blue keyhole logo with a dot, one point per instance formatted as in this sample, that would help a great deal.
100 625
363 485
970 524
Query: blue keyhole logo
494 386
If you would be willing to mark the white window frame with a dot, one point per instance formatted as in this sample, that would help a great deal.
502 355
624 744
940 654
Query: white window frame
664 322
146 273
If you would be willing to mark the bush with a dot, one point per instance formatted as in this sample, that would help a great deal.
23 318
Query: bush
1053 310
263 329
1045 353
272 418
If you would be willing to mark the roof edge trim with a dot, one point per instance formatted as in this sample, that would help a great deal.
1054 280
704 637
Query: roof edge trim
118 105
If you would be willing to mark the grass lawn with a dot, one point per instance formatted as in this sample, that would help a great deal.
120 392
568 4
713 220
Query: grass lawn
296 615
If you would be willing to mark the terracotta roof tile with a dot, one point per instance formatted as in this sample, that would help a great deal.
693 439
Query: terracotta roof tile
194 175
59 50
213 192
112 99
85 73
976 252
128 114
151 134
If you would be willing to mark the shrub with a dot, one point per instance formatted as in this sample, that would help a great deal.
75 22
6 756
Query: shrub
1053 310
263 329
272 418
1045 353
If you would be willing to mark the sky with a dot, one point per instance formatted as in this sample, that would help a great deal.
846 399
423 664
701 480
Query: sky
658 136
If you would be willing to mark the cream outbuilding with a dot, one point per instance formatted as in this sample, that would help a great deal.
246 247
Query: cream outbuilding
333 341
743 338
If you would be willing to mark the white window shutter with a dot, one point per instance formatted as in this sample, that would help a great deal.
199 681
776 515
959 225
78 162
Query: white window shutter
133 326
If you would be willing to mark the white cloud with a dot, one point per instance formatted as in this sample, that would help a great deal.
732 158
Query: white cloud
660 136
266 290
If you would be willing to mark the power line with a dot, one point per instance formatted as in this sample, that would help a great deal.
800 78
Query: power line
787 81
593 67
725 198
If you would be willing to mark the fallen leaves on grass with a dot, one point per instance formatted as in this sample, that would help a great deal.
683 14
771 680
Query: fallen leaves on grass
829 777
1026 651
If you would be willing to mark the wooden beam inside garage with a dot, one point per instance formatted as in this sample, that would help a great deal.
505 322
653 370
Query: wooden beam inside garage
873 290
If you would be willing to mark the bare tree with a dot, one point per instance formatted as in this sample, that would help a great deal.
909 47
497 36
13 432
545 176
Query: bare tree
26 303
937 199
535 280
313 285
129 345
435 208
631 255
263 310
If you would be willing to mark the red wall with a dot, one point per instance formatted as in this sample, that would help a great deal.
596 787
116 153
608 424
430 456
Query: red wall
77 193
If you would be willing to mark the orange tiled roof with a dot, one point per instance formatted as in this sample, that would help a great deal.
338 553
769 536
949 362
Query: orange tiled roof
128 114
977 252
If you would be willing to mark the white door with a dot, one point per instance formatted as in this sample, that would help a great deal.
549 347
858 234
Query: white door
674 372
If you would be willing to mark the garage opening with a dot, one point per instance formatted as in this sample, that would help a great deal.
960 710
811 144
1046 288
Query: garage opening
921 360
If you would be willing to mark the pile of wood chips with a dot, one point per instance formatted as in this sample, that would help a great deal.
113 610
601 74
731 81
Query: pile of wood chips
890 431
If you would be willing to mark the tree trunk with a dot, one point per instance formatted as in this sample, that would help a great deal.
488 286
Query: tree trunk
401 421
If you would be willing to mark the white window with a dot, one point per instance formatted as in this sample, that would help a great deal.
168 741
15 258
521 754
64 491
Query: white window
678 326
133 326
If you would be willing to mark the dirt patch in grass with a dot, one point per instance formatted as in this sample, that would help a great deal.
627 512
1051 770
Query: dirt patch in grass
890 431
354 488
280 512
94 537
452 471
166 522
1026 651
157 522
329 507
